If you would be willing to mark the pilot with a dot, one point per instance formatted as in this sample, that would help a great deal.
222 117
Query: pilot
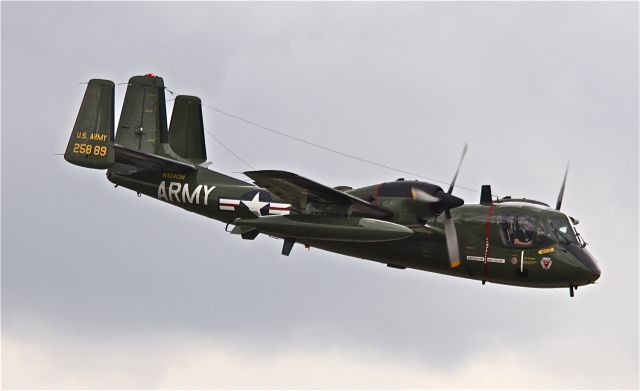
543 236
522 237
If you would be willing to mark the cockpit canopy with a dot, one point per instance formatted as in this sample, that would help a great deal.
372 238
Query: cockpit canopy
564 229
524 230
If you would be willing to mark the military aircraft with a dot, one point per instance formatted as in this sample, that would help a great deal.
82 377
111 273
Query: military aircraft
403 224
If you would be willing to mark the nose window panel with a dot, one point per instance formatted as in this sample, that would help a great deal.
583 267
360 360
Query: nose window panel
563 229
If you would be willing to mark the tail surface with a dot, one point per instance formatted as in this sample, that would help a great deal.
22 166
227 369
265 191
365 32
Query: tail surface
92 135
142 130
186 131
143 121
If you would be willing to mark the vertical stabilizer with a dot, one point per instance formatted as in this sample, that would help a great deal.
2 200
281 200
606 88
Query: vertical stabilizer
143 121
90 141
186 132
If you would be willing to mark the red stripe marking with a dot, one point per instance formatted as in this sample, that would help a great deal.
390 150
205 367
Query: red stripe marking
277 208
487 223
223 204
375 195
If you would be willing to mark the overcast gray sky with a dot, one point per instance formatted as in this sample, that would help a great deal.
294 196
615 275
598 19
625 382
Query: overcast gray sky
104 289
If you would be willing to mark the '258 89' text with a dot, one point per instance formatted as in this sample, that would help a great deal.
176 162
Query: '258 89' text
88 149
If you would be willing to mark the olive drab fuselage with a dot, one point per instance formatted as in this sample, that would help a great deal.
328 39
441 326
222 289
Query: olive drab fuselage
485 255
403 224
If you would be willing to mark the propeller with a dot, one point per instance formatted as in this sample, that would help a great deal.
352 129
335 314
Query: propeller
436 203
451 237
450 233
564 182
453 182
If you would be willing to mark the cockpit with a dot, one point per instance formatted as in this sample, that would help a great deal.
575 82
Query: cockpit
526 231
523 231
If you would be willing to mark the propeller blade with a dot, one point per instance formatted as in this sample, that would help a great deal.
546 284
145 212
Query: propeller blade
452 240
453 182
449 202
420 195
564 182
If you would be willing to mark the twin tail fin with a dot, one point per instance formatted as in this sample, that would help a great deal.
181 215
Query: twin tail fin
92 135
142 128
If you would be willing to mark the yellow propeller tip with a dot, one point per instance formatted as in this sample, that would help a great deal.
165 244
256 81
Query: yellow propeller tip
455 264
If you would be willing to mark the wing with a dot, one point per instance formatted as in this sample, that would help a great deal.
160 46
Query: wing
306 194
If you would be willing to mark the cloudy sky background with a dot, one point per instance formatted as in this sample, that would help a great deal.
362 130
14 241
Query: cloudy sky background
104 289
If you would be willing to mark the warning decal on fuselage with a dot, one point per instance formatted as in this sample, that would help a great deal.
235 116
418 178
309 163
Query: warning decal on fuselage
481 259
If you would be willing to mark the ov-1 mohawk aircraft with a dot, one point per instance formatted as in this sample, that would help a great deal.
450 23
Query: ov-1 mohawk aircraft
403 224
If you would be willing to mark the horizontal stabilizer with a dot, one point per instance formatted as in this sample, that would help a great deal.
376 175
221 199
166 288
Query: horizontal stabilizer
149 161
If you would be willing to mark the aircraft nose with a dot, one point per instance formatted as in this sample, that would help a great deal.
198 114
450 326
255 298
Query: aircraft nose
589 270
590 266
594 271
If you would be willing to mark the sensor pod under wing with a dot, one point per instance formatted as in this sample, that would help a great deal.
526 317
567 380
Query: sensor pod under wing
313 227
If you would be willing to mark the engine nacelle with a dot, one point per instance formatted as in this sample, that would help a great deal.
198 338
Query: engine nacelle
412 202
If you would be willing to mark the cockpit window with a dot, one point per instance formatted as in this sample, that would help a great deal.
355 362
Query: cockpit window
563 229
523 231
